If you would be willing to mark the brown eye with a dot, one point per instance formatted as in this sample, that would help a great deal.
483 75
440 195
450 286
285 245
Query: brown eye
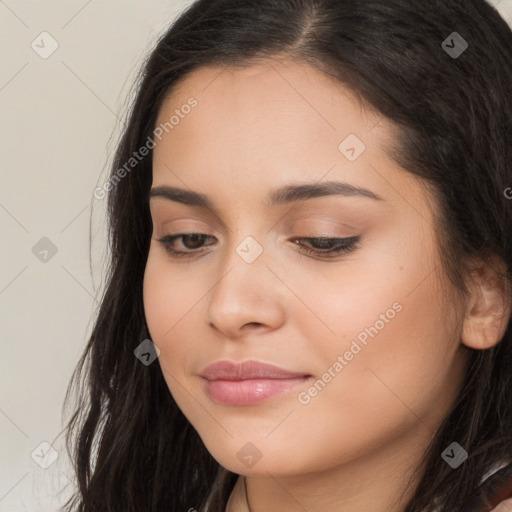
191 242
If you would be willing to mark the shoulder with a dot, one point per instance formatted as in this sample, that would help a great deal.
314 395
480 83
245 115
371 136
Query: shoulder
504 506
493 494
496 488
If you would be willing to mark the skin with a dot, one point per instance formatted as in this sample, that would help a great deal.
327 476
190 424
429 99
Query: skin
355 445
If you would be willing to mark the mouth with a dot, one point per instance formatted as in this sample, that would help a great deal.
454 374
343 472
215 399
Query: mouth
249 382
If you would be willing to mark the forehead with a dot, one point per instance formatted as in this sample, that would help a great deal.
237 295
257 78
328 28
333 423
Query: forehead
262 127
277 87
283 111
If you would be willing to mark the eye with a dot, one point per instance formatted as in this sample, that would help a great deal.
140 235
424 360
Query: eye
326 247
189 240
329 246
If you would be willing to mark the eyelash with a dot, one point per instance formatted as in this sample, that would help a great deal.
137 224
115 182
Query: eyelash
342 246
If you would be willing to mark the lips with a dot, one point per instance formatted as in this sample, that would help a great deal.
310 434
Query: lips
227 370
249 382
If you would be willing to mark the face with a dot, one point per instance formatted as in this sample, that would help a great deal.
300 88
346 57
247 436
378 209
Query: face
337 281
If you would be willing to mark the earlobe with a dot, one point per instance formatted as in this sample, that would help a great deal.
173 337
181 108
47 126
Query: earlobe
490 306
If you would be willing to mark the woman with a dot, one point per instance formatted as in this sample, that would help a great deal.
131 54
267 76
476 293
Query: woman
308 305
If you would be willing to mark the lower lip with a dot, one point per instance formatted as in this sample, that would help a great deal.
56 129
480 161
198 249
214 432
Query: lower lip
249 391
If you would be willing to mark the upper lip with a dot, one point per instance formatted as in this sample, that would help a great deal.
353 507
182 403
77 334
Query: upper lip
228 370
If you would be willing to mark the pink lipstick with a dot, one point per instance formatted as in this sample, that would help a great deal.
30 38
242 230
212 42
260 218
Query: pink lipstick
249 382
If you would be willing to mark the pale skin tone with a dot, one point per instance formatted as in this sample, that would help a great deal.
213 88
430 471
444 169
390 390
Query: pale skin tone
354 446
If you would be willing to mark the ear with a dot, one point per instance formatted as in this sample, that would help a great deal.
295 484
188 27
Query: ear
490 305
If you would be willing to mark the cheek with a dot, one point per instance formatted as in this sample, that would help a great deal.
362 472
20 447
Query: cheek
156 299
392 356
401 377
169 299
394 330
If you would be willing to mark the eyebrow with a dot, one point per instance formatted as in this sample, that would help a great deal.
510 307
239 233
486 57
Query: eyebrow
280 196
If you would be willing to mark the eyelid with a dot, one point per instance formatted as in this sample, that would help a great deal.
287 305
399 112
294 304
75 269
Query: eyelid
318 220
315 230
186 226
306 226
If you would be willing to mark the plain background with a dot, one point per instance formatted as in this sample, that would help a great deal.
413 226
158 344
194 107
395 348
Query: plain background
60 119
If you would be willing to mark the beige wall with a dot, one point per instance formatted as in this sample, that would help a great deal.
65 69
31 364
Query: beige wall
59 120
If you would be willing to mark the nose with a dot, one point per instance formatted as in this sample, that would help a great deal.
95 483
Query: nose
246 298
